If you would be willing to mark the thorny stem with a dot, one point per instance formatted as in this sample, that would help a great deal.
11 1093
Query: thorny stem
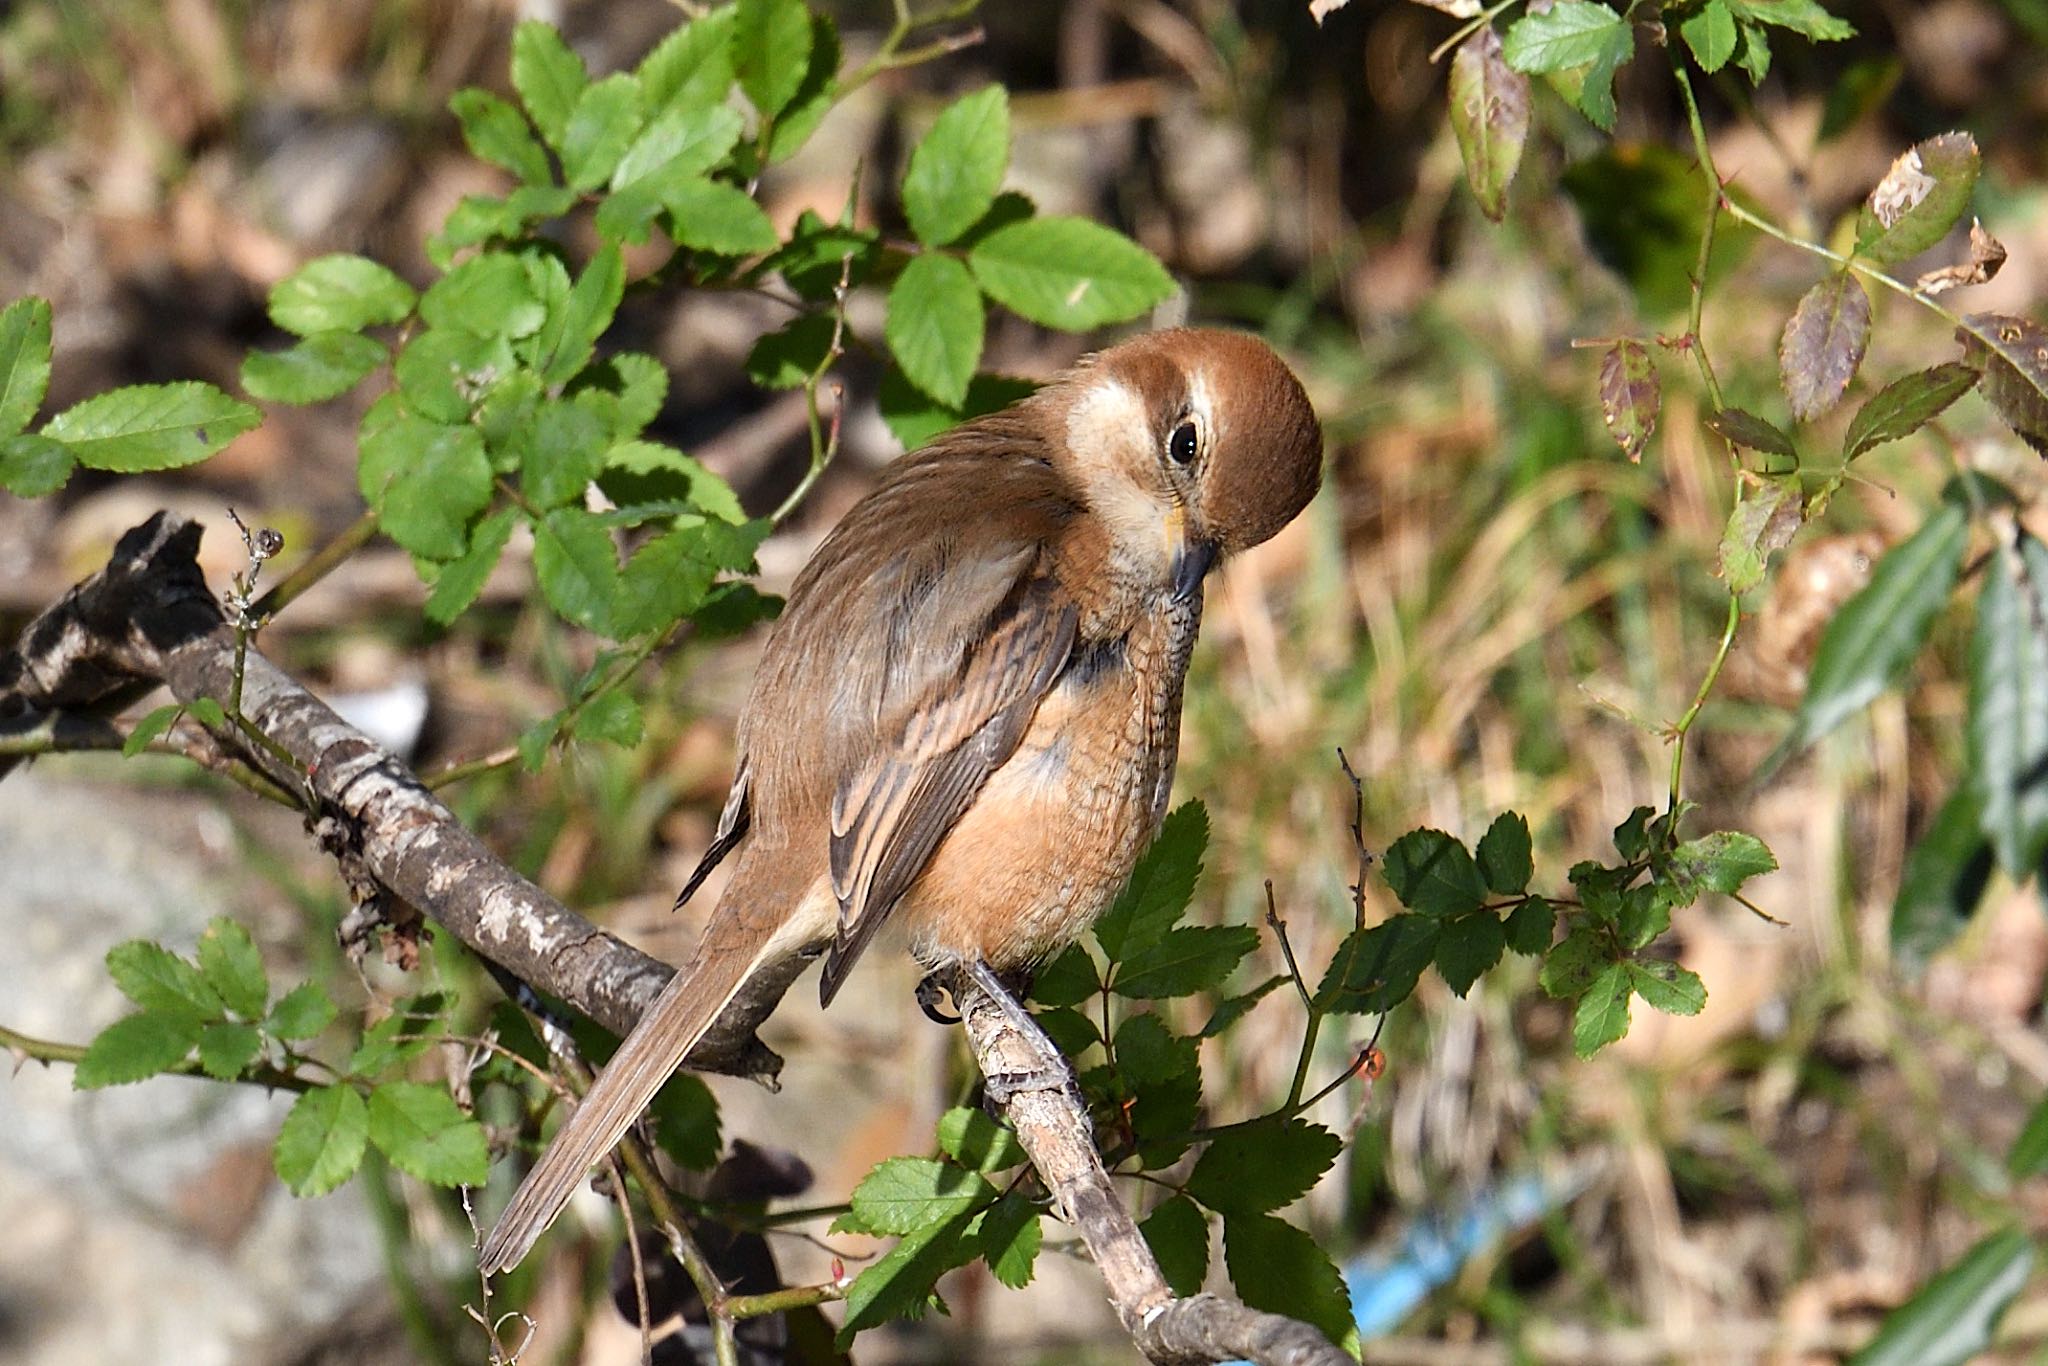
1715 199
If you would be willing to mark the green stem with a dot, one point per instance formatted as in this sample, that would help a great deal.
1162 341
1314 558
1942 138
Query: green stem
1863 268
1715 199
1699 699
50 1051
471 768
782 1301
324 562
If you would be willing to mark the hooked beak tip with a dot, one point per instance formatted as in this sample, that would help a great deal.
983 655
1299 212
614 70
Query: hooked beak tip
1191 564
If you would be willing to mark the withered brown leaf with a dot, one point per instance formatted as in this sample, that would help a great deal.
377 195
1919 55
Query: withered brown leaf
1823 344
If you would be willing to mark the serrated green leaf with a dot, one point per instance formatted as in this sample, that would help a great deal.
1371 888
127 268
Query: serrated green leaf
789 356
32 466
814 97
1278 1268
1503 854
905 1194
426 480
232 967
611 718
208 713
426 1134
1719 862
2007 730
1601 1016
564 344
1919 199
1068 273
1747 429
1905 406
686 1121
1261 1167
1762 522
601 126
977 1142
322 1141
399 1037
1433 873
1578 47
900 1283
461 579
681 141
666 580
1376 969
935 326
488 294
1161 886
914 417
1010 1235
161 981
1229 1012
1468 948
24 363
641 386
1711 35
957 166
151 426
657 471
1575 963
1490 111
226 1049
136 1048
479 218
150 727
2029 1153
318 368
1874 638
771 48
1943 881
693 65
1178 1234
1630 396
1667 987
1529 926
1067 980
816 253
301 1013
339 294
1755 54
1800 16
712 216
1185 960
1953 1318
1149 1054
548 76
446 372
498 133
562 453
578 567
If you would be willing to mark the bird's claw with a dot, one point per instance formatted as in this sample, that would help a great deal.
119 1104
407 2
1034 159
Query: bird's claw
929 993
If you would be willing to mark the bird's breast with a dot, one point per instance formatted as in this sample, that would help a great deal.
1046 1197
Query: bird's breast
1052 837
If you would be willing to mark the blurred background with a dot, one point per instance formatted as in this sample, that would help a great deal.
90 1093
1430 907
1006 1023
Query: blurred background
1488 607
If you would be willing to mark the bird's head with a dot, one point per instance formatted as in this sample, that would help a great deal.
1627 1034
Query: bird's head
1189 444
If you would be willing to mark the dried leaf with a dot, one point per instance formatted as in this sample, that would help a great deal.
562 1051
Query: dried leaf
1904 185
1823 344
1919 199
2012 355
1629 396
1987 254
1764 521
1490 116
1747 429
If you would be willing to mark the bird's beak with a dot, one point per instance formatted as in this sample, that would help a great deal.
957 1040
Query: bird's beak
1193 556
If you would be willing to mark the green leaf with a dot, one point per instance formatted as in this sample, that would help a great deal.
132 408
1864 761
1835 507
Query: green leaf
1667 987
610 718
1149 1054
301 1013
564 345
1067 980
1943 881
1762 522
1161 886
1468 948
322 1140
1874 638
601 126
686 1121
479 218
158 980
817 252
426 480
1919 199
712 216
225 1050
1630 396
1504 859
499 134
1228 1012
1186 960
1823 343
663 472
151 426
446 372
977 1142
815 94
1575 963
2012 356
320 367
339 294
2007 730
489 295
2029 1155
577 566
149 727
24 362
1434 874
681 141
641 386
562 453
1376 969
1578 46
1490 118
208 713
1278 1268
787 358
1010 1236
461 579
935 326
136 1048
548 76
693 65
914 417
425 1133
1068 273
1602 1013
1747 429
1178 1234
1711 35
957 167
1905 406
1720 862
666 580
1755 54
771 47
1952 1319
1529 926
400 1036
905 1194
1800 16
232 967
1261 1167
31 466
899 1284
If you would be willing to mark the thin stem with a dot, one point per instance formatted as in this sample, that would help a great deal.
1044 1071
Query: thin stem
1466 31
323 562
1683 727
471 768
782 1301
50 1051
702 1274
1715 199
43 739
1863 268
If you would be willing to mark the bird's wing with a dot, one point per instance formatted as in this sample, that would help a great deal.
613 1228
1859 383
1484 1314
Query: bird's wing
972 650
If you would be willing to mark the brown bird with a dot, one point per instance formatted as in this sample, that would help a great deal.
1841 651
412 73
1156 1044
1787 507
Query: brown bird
969 712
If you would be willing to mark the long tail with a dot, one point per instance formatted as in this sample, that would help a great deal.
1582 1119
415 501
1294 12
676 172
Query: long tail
686 1008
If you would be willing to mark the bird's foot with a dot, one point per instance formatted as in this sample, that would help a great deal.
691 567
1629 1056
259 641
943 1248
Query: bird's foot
1002 1087
1049 1070
930 992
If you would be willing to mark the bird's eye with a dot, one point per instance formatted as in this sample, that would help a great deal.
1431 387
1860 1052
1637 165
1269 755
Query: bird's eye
1181 446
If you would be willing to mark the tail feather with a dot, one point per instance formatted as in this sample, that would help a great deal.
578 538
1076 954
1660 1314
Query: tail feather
679 1017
